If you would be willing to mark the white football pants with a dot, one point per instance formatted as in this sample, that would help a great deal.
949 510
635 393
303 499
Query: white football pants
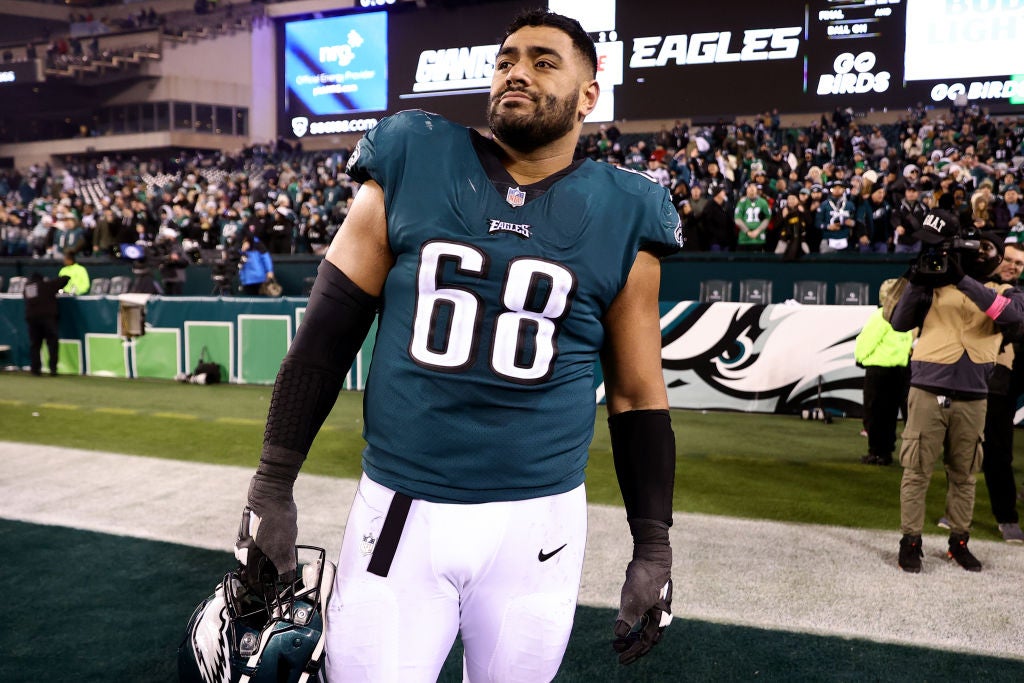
505 574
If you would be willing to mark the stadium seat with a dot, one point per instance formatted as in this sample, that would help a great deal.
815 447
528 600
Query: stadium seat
17 285
756 291
119 285
852 294
100 285
712 291
810 292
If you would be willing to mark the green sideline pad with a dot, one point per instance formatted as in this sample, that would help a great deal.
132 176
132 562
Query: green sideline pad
95 607
69 357
157 354
263 341
217 338
105 355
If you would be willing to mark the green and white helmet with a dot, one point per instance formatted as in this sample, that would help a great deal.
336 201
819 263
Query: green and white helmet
238 636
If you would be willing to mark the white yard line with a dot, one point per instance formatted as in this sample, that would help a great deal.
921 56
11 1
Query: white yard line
794 577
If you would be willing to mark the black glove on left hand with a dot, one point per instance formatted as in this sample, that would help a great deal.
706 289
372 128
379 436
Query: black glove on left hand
267 533
646 603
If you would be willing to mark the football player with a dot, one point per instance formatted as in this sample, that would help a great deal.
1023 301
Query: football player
501 269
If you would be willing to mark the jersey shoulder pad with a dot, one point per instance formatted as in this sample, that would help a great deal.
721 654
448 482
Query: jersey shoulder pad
381 153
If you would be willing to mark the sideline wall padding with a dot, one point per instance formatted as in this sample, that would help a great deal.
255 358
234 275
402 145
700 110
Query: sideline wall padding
721 356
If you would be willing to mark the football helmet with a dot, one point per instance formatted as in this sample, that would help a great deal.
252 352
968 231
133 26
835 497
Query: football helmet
273 634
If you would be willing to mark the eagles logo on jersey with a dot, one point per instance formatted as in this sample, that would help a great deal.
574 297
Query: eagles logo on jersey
237 636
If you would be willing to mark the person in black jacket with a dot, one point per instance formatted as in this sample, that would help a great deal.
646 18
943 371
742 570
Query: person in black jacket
41 317
719 228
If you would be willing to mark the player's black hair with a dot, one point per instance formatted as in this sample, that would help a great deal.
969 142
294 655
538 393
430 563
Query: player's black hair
568 25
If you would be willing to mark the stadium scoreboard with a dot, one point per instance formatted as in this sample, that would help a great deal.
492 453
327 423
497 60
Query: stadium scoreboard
659 59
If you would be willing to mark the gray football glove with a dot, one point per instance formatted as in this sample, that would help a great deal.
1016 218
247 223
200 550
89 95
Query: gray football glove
645 608
268 531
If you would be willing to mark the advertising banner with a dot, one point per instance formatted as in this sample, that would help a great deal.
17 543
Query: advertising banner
663 60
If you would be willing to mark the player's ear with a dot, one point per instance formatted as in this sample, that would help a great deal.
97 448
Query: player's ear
589 92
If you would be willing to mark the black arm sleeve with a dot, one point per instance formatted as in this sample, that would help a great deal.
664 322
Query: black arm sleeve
337 319
912 308
644 450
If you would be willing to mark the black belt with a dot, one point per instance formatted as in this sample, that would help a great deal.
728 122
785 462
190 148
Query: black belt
386 546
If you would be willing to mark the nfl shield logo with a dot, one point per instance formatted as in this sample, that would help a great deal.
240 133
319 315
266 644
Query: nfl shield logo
367 544
515 197
300 124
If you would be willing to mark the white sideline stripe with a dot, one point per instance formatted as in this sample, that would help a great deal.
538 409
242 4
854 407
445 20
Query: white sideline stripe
792 577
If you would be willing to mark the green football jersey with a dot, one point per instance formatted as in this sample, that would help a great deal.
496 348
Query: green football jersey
751 212
481 385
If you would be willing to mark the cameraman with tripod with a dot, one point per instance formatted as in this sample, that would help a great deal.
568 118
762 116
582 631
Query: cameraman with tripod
960 320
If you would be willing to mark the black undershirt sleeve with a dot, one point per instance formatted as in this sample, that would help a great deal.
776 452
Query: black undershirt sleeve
644 450
337 320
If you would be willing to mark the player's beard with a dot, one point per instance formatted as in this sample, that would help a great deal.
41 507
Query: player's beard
525 132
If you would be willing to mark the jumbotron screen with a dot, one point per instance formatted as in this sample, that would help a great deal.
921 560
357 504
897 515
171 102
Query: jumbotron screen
660 59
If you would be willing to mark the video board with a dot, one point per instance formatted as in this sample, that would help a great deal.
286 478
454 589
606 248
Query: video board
439 59
662 59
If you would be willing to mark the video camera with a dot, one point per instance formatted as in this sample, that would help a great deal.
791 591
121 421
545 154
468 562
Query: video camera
942 238
223 270
934 258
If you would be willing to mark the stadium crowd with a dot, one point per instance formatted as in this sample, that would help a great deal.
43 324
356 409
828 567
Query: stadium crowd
752 185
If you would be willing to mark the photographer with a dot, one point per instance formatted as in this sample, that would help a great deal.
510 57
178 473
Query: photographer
956 351
172 263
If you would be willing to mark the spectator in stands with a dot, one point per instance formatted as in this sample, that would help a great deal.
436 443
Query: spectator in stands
812 200
835 219
751 217
1007 213
282 223
873 230
719 226
335 194
76 274
878 146
658 172
791 222
715 177
14 234
978 213
911 174
317 234
41 317
884 354
913 146
69 237
906 220
260 222
256 266
862 186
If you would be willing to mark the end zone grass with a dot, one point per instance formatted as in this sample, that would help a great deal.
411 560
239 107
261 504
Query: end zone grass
737 464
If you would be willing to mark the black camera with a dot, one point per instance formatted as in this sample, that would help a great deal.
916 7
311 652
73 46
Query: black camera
223 270
934 258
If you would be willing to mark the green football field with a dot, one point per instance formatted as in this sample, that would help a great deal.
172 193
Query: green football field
91 606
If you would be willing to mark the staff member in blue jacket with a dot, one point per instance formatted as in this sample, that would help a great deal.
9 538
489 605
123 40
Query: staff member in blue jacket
256 267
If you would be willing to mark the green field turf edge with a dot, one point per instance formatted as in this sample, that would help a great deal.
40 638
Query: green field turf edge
737 464
96 607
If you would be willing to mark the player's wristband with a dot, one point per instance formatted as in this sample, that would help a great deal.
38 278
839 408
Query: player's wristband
337 319
644 451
